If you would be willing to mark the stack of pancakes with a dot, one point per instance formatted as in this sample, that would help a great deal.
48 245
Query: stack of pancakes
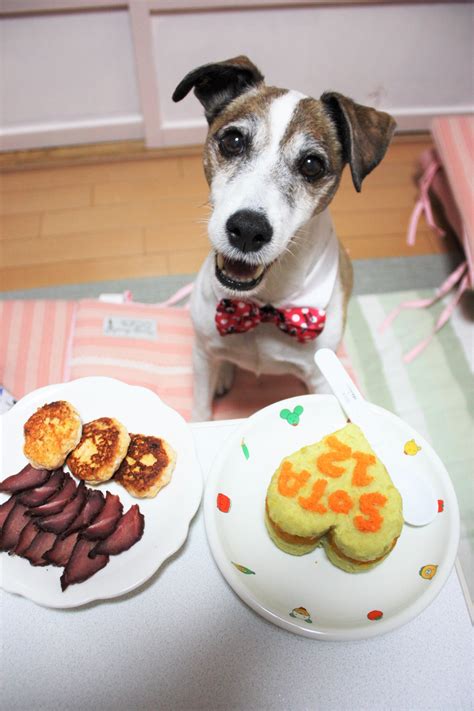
97 451
338 494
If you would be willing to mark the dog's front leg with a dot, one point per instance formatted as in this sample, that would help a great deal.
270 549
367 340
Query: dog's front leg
205 380
225 378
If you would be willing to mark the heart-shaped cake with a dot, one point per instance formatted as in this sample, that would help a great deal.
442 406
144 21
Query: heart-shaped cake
339 494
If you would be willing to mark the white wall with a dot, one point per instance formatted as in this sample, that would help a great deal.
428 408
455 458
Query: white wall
63 75
109 74
414 61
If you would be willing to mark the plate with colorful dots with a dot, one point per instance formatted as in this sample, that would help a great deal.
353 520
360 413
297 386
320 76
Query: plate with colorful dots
307 594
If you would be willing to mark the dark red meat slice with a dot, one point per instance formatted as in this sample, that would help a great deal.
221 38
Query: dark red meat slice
41 543
26 537
13 526
93 506
104 524
58 501
62 549
59 522
38 496
128 531
5 509
80 567
28 478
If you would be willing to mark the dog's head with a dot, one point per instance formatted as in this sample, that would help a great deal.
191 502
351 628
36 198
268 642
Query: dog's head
273 159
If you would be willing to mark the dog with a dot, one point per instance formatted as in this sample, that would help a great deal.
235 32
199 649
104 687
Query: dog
276 284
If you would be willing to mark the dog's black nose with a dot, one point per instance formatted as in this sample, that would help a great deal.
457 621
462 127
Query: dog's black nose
248 230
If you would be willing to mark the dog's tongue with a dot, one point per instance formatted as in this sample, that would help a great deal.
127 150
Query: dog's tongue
238 269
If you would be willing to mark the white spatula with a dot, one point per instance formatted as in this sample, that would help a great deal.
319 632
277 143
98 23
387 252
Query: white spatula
420 504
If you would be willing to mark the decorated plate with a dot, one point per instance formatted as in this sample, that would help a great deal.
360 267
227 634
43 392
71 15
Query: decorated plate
167 517
307 594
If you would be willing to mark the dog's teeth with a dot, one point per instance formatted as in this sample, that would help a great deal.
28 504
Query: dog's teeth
259 271
220 261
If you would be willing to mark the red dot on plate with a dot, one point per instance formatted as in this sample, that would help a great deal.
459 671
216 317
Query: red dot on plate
223 503
375 615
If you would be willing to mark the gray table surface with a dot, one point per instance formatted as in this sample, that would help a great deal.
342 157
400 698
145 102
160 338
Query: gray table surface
184 640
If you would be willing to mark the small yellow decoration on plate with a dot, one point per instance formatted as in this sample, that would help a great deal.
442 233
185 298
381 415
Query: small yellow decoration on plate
428 571
411 448
302 614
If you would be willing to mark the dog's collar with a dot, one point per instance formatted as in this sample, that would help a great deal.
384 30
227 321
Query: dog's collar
235 316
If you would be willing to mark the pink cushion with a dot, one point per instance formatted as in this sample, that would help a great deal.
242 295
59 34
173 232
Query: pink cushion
45 342
34 341
454 140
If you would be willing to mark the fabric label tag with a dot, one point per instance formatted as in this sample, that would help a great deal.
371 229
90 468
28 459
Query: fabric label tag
139 328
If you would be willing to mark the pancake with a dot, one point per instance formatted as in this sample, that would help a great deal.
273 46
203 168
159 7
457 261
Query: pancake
50 434
147 467
101 449
338 494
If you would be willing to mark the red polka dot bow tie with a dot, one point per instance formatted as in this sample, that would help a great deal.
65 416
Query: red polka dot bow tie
304 323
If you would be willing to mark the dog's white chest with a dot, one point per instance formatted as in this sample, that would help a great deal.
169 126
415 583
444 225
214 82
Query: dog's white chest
266 351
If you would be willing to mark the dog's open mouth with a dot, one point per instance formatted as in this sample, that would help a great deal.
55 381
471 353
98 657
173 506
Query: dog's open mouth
237 275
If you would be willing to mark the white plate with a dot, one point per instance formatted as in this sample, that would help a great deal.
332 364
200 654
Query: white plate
337 605
167 517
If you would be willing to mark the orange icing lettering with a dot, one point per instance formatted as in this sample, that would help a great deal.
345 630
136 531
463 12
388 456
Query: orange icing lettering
368 504
363 461
340 452
312 502
289 481
325 464
334 443
340 502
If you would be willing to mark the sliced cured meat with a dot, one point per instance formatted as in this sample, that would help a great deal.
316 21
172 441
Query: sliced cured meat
104 524
13 526
128 531
93 506
58 501
5 509
60 553
26 538
80 567
41 543
39 495
28 478
58 523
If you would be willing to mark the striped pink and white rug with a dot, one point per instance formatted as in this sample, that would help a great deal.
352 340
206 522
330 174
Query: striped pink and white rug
44 342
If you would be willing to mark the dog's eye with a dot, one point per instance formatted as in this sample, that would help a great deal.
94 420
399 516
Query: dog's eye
232 143
312 167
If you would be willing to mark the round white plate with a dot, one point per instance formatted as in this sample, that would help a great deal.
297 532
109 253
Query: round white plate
167 517
307 594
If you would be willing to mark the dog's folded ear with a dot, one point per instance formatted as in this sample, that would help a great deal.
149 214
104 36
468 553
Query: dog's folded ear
215 85
364 133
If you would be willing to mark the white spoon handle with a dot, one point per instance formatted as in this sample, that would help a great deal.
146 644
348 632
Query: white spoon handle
338 379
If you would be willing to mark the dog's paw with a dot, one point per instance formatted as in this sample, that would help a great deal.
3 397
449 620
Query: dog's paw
225 378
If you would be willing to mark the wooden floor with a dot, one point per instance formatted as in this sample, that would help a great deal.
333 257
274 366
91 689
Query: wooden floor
147 217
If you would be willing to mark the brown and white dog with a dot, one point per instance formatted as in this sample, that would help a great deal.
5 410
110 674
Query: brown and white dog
273 159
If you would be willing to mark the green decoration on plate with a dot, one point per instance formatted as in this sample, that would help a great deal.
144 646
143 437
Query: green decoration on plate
244 449
292 418
243 569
